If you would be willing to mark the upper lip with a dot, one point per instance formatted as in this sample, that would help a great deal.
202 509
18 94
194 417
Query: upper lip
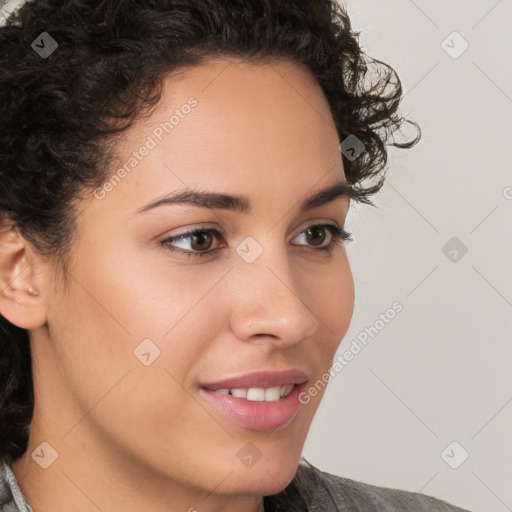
259 379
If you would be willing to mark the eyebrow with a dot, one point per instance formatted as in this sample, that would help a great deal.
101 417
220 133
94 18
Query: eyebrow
237 203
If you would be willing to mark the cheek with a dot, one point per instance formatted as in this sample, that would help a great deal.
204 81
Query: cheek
124 343
331 298
331 292
122 312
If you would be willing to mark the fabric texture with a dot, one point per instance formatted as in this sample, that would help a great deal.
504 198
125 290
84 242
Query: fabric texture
11 497
323 492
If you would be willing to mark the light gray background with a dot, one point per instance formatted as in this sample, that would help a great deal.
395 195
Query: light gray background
441 370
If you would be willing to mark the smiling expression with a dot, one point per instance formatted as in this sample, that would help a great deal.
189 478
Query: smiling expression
146 320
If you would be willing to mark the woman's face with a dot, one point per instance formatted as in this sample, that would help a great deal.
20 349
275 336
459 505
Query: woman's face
125 353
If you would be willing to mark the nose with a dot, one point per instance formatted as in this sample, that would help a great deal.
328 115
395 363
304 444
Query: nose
269 305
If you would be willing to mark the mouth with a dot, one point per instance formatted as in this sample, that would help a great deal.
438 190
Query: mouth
258 394
260 409
262 379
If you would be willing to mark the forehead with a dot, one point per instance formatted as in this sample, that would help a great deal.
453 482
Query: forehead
278 104
235 127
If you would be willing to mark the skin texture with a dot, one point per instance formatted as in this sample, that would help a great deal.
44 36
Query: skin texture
132 437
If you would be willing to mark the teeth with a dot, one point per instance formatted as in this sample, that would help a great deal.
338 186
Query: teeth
256 394
241 393
271 394
286 390
259 394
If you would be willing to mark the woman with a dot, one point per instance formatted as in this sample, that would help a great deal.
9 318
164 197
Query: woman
166 170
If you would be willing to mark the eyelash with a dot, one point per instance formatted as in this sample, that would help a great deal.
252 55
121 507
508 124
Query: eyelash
339 235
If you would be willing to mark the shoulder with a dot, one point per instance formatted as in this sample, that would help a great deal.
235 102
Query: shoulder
322 491
11 496
5 490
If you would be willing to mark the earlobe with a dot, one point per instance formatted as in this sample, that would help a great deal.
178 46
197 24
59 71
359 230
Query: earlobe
32 291
21 299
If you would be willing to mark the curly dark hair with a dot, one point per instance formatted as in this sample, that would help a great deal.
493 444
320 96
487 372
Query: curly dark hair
60 115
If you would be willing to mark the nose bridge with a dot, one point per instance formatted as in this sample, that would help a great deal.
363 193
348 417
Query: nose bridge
267 301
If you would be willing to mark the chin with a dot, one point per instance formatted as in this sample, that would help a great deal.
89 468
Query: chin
262 479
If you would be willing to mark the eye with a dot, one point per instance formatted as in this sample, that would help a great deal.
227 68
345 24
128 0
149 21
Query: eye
200 240
338 235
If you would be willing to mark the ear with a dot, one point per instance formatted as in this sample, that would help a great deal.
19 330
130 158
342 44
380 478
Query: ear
22 298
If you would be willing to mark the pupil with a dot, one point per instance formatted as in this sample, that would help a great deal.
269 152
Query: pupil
201 237
317 230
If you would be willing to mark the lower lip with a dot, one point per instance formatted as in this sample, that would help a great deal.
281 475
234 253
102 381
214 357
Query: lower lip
257 415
